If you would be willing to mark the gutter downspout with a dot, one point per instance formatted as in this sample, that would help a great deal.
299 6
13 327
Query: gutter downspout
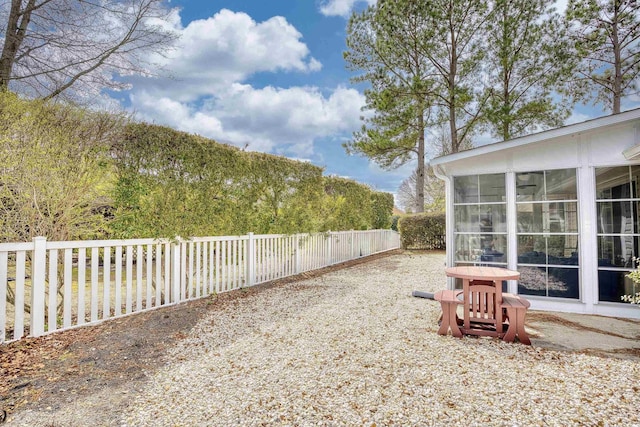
449 221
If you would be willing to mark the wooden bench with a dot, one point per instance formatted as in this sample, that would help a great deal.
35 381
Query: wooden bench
516 310
513 308
449 302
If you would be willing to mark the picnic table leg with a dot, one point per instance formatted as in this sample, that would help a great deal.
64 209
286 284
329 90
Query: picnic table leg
449 320
522 334
444 319
510 336
453 321
516 325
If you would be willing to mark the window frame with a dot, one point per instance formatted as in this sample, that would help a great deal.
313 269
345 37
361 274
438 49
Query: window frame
634 203
546 234
476 259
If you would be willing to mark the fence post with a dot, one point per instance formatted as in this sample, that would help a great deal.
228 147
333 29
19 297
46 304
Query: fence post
353 244
330 248
175 270
250 280
38 276
185 272
298 257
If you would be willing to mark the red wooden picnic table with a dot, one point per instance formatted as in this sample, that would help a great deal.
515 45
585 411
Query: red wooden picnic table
485 306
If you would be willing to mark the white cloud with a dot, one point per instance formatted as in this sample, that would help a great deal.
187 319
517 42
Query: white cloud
208 95
268 119
631 102
341 7
175 114
225 48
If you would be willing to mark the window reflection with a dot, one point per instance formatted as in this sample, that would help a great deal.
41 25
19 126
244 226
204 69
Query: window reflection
485 248
546 185
549 282
492 188
613 183
617 217
467 218
548 250
533 281
613 284
617 225
480 219
555 217
530 186
561 184
547 224
563 282
532 250
617 251
465 189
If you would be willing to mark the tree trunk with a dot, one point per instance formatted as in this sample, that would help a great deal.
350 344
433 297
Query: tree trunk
617 78
506 111
451 80
420 171
506 102
14 36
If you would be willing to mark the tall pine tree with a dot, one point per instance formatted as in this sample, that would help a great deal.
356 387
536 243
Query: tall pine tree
384 46
453 44
524 48
606 37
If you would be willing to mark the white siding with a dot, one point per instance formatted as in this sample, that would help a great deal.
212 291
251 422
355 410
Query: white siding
584 146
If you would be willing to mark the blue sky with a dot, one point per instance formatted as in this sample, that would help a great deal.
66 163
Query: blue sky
268 75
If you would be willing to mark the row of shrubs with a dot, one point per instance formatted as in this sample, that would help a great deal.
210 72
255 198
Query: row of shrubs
200 187
69 173
421 231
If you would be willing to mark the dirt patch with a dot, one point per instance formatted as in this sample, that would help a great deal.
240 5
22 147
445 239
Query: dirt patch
117 354
80 361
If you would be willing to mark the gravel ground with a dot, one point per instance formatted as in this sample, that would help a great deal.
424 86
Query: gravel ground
353 347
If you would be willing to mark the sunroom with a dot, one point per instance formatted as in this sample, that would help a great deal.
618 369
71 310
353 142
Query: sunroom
561 206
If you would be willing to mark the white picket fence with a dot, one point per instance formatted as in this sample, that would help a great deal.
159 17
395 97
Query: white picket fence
61 285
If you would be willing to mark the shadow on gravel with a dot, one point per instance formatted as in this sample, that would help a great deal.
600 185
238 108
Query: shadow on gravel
42 374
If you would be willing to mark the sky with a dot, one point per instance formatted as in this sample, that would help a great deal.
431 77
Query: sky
269 76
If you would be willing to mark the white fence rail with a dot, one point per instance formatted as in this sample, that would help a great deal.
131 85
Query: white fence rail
51 286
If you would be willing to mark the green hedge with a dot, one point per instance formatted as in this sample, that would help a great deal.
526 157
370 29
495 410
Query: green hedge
394 222
55 169
423 231
71 173
347 205
173 183
381 210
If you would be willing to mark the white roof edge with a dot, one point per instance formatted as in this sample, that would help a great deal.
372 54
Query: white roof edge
590 124
632 153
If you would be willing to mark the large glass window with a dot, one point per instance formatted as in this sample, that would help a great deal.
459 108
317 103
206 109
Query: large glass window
618 204
480 230
547 216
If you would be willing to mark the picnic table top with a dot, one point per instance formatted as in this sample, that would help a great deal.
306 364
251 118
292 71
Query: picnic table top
482 273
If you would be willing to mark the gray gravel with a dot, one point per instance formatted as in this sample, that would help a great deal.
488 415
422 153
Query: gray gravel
353 347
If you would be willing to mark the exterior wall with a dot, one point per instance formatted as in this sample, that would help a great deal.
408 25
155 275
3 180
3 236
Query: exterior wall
601 145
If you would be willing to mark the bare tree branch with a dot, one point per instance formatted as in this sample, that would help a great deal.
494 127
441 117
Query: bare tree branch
77 48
